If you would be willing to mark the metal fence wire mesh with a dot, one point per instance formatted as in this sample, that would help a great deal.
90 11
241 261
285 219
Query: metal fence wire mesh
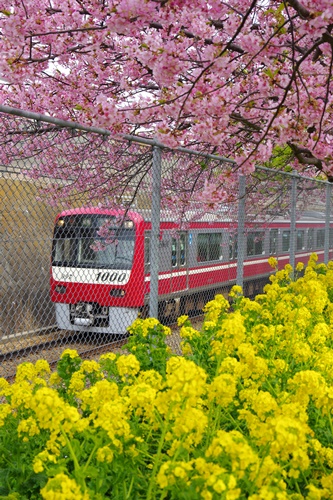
90 238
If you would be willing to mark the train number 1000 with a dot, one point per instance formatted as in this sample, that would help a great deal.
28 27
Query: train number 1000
111 277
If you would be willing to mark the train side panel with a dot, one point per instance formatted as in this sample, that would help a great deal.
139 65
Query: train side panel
193 266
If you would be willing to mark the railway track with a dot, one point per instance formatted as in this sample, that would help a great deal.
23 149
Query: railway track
49 343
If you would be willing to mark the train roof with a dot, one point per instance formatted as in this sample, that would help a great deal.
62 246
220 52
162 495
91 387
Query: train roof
195 216
224 216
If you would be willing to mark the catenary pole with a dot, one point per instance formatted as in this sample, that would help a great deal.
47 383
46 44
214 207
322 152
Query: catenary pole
293 201
241 230
155 231
327 223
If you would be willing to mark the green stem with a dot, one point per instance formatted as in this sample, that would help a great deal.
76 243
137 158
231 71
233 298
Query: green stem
77 467
330 422
90 456
157 461
319 460
127 495
208 433
235 423
297 487
252 485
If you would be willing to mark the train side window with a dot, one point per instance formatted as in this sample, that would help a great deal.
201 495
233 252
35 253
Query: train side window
174 252
233 246
273 241
215 246
209 247
331 238
285 241
310 239
255 241
300 240
182 249
320 238
179 250
147 250
202 249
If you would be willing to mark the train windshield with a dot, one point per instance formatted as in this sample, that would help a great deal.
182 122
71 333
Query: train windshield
93 241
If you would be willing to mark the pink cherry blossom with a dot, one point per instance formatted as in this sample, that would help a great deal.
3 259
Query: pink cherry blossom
238 78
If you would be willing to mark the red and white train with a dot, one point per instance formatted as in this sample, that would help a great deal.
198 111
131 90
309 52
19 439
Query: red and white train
104 291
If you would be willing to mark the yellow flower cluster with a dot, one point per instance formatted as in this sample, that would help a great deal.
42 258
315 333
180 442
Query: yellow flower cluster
145 325
61 487
246 412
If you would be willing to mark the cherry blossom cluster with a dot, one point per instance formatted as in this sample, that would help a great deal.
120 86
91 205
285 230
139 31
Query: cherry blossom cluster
236 78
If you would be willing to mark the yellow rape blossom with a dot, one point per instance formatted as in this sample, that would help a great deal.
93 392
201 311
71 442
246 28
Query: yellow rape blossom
41 459
51 411
264 404
186 348
232 331
99 394
105 454
299 266
273 262
230 365
108 356
190 424
185 379
90 366
170 471
42 366
114 419
217 348
222 389
77 382
4 386
301 351
182 319
241 454
62 487
55 379
72 353
21 394
144 325
141 397
25 371
5 410
236 291
249 306
152 378
188 332
308 383
28 426
215 307
261 332
128 366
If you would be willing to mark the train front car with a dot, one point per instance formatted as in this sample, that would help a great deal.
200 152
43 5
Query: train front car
97 270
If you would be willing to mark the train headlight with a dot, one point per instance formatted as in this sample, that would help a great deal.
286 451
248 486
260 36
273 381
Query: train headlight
117 292
60 289
60 222
128 224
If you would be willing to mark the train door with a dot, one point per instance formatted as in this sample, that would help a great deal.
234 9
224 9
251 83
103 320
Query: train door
179 267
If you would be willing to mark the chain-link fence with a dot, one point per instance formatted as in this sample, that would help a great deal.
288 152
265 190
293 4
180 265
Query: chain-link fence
91 236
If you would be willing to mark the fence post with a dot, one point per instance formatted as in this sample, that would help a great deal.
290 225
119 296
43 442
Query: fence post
327 223
241 230
155 231
293 200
